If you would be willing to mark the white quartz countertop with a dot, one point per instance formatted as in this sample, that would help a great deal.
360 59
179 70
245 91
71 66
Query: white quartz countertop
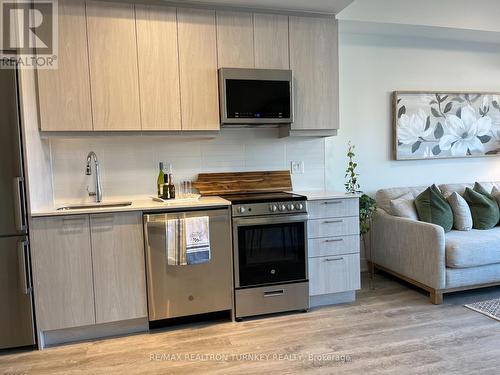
325 194
138 204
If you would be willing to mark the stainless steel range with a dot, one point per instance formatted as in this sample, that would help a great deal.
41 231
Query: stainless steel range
270 253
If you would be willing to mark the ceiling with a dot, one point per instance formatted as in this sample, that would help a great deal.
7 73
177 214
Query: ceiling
309 6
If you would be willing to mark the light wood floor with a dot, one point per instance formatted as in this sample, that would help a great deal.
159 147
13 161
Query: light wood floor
392 330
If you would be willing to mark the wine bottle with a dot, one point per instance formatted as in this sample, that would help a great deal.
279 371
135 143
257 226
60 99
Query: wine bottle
161 181
171 186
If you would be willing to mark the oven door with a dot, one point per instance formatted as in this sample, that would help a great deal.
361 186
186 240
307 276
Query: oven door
270 250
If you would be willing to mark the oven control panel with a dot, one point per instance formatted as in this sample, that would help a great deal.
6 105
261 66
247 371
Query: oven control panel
272 208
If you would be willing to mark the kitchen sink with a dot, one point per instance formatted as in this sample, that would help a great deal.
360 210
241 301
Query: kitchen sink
94 205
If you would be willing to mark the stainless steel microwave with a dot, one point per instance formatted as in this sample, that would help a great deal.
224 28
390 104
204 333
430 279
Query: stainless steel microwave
255 96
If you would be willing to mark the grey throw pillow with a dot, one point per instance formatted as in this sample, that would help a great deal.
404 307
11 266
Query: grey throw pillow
462 217
496 194
404 206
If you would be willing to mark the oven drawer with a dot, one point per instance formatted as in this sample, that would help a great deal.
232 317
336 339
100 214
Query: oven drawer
334 274
271 299
333 227
319 247
333 208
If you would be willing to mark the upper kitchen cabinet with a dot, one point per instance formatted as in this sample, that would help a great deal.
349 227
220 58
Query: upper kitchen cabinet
198 69
235 43
158 67
113 66
271 41
64 93
314 62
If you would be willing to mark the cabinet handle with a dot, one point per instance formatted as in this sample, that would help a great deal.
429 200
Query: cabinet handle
333 259
73 220
332 202
274 293
70 219
333 221
20 208
24 275
335 240
103 219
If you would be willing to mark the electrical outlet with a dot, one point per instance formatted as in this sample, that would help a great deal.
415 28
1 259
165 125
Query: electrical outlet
297 167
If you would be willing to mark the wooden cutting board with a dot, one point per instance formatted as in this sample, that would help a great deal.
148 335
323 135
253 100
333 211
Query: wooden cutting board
243 182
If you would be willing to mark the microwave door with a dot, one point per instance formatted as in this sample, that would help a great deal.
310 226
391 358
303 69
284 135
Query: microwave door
255 96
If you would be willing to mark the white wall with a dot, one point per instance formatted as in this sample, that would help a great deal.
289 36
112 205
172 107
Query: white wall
480 15
371 67
130 163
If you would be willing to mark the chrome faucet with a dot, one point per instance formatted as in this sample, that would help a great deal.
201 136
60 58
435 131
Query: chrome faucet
88 171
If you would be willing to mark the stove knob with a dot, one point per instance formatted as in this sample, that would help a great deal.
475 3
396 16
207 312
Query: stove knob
282 207
273 208
299 206
241 210
290 207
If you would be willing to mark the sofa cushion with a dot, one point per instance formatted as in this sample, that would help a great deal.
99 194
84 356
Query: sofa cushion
404 207
496 194
385 196
483 207
460 188
472 248
433 208
462 218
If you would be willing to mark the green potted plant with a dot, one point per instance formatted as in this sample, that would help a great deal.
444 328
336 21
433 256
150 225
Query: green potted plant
367 204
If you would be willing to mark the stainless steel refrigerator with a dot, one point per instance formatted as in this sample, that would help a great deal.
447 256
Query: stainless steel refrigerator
16 303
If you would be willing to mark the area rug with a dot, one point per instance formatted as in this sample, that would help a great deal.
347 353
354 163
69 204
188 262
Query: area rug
489 308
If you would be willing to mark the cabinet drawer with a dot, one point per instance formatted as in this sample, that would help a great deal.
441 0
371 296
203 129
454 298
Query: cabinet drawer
334 274
319 247
333 227
333 208
271 299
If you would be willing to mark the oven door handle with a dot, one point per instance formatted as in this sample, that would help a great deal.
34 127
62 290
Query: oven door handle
274 293
275 219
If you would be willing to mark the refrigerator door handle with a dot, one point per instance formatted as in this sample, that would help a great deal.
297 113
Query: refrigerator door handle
24 273
20 204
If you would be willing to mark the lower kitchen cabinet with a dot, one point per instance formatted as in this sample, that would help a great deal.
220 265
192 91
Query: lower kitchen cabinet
62 272
334 274
333 249
88 270
118 265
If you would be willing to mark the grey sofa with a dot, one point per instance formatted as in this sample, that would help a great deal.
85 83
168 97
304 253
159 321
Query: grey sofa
422 254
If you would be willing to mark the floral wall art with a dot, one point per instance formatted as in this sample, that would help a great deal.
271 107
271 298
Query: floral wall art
430 125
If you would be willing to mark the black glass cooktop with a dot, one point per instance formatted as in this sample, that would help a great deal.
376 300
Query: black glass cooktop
263 197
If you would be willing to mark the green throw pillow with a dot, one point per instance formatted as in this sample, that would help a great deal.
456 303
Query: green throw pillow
483 207
433 208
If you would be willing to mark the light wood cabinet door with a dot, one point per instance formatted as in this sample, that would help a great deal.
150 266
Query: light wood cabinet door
271 41
62 272
114 75
314 62
118 264
235 40
198 69
334 274
158 67
64 93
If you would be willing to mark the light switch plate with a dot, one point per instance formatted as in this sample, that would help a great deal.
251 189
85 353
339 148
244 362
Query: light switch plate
297 167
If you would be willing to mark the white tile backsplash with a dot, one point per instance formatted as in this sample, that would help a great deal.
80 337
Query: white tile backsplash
129 164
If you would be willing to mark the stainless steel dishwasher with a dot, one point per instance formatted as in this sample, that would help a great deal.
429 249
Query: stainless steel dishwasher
177 291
